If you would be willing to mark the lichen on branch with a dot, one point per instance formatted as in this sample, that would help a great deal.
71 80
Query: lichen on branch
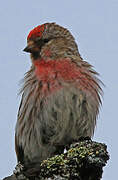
83 161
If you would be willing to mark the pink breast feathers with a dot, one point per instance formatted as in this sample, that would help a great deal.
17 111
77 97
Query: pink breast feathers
52 72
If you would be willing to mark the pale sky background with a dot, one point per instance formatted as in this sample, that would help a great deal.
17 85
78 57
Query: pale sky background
94 24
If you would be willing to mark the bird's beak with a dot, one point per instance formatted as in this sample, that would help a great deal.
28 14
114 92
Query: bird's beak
28 48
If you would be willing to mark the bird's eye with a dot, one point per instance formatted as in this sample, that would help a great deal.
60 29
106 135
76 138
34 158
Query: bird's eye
41 41
46 40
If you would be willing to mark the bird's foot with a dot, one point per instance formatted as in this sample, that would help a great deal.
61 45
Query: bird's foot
87 138
18 169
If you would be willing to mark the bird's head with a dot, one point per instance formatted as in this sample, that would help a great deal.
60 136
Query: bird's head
52 37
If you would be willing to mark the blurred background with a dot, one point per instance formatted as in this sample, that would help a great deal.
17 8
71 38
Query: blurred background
94 25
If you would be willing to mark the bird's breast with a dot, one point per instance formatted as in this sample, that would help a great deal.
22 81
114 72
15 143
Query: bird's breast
53 73
61 69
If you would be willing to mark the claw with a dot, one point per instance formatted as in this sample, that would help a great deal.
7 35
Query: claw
18 169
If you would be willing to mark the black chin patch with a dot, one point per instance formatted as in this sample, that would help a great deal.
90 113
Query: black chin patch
35 55
40 43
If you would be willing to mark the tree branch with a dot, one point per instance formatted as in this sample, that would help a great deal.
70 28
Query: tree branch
83 161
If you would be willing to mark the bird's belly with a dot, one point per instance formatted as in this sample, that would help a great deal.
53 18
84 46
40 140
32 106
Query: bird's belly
54 120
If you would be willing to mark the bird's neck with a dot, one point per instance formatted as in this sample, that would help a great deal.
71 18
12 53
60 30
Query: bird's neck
49 70
64 70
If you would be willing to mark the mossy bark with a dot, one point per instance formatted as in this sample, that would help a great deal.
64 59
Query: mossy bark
83 161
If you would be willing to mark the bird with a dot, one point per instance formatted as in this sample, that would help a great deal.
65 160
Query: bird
61 96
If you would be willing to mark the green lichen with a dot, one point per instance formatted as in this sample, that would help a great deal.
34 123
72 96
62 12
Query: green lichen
85 158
